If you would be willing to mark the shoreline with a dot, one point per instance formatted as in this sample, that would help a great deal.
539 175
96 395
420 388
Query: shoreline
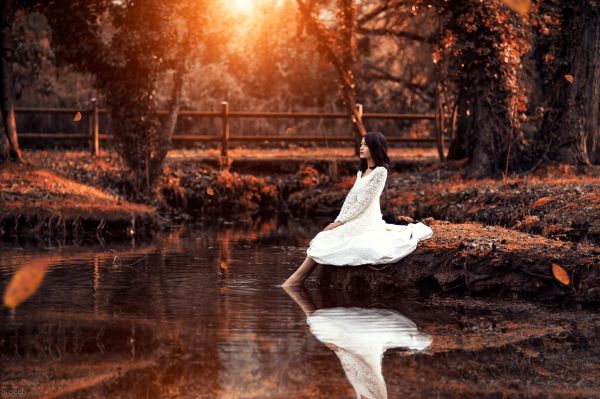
493 238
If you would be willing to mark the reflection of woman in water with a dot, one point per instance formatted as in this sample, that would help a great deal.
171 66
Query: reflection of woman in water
359 337
359 235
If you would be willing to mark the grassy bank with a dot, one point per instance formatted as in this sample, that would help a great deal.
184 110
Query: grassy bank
40 202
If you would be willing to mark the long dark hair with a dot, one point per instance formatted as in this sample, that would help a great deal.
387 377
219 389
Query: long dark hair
378 148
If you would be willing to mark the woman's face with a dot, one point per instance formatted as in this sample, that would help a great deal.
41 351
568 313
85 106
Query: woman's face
364 150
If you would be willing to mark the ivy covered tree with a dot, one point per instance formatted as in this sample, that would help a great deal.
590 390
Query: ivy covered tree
483 44
128 47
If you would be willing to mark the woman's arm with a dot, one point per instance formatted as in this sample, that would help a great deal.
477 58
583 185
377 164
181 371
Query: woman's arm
365 195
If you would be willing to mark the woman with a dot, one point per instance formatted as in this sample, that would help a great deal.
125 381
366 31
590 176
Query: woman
359 235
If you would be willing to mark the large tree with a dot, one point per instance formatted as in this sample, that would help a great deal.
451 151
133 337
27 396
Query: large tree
571 67
129 47
9 143
483 43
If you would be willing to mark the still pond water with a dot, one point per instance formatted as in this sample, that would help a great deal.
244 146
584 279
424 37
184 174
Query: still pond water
201 314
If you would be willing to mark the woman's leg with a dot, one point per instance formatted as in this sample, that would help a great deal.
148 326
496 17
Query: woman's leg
301 274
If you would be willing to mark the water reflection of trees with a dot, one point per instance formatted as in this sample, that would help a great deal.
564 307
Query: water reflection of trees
167 320
133 309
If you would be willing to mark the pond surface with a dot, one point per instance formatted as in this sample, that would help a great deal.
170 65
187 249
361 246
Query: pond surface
200 314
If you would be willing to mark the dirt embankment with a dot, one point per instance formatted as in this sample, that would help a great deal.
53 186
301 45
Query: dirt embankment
557 202
38 202
471 258
193 186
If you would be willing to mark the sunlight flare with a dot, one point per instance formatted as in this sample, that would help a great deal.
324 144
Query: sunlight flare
244 6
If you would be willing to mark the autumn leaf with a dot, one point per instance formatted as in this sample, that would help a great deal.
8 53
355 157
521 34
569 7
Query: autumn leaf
520 6
288 131
560 274
569 78
210 191
25 282
77 117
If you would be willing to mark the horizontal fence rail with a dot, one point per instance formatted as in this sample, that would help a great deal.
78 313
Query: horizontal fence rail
94 135
305 115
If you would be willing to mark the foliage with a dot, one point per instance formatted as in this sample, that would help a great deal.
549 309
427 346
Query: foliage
228 190
128 47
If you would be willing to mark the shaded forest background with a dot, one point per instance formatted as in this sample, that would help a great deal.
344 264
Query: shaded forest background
517 82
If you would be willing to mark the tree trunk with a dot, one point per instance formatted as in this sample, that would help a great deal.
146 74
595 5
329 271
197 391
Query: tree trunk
483 83
9 144
483 129
168 127
339 49
593 36
571 123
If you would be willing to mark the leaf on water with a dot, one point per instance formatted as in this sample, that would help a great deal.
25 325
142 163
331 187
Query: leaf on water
569 78
25 282
210 191
77 117
560 274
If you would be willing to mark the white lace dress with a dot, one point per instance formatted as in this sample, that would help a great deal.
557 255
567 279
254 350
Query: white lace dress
361 337
364 237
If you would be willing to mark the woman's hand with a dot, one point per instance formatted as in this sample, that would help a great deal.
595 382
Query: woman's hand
332 346
333 225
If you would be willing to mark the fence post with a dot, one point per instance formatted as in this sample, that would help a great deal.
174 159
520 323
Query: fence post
359 115
94 124
225 128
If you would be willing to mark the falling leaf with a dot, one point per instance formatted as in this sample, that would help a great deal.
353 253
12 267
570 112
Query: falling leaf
288 131
77 117
569 78
210 191
560 274
25 282
520 6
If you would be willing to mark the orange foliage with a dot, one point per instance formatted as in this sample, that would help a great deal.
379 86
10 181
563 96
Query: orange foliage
311 176
540 202
346 183
246 192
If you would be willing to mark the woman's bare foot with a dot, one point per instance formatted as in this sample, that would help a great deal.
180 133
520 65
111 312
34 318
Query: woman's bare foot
297 279
291 282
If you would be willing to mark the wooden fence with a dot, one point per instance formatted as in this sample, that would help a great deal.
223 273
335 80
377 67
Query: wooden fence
94 136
